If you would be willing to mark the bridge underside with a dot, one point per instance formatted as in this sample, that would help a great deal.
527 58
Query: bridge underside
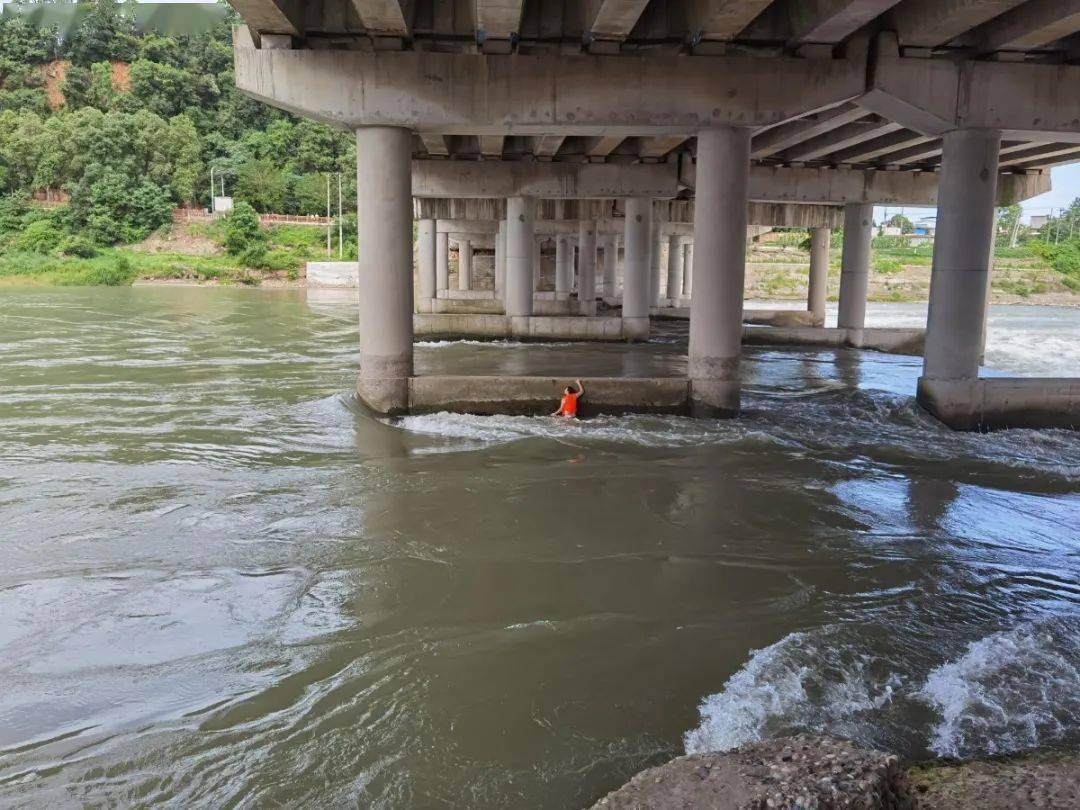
672 127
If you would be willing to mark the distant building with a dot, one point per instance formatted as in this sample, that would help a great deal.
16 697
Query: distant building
1038 221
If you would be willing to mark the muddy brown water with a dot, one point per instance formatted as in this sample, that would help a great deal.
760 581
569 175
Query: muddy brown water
223 583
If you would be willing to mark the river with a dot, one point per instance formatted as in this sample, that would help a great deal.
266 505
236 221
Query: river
223 583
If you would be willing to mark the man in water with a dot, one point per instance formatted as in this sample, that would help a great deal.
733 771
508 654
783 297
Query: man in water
568 405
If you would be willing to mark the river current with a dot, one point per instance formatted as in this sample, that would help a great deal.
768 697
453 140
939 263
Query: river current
224 583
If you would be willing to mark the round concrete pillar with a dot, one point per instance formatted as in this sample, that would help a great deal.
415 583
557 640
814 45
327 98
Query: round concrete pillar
962 250
500 260
855 266
609 267
425 261
636 280
538 263
442 261
587 267
464 264
384 231
816 293
655 268
674 269
688 270
520 246
564 267
720 216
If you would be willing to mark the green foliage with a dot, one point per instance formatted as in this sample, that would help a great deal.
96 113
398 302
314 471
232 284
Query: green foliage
901 222
13 208
78 246
76 86
244 236
113 207
42 236
886 266
890 242
261 184
1063 257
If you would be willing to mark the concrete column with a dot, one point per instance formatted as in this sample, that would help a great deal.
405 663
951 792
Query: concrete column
636 277
464 264
425 261
817 288
587 267
723 177
674 270
538 258
564 267
962 250
609 267
520 246
442 261
688 271
384 231
500 260
655 274
855 267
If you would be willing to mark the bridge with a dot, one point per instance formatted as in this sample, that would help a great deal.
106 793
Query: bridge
669 124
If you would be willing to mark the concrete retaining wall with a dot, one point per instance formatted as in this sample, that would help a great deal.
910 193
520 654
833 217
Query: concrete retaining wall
539 396
888 341
333 274
537 327
995 403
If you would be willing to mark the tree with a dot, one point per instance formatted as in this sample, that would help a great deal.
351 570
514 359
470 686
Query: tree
1008 219
262 184
901 222
76 86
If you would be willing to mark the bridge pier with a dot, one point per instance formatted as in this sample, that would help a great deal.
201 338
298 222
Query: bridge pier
385 223
636 278
817 289
675 270
723 168
855 268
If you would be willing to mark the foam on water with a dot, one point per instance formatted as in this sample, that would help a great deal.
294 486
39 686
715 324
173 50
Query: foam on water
1009 691
804 681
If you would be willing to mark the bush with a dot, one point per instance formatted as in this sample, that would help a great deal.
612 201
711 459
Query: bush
42 236
243 233
887 267
78 246
13 208
1063 257
115 207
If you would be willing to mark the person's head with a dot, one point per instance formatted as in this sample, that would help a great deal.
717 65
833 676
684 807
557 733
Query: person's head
568 390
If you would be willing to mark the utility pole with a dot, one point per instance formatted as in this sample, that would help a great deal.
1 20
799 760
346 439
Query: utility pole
212 190
329 221
340 238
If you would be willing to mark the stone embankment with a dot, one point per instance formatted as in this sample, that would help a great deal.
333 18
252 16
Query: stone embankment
808 772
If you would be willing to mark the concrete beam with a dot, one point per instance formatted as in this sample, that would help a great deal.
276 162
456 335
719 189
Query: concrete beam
383 18
491 146
792 133
541 94
721 19
435 145
548 145
831 21
612 19
498 19
841 186
1025 101
840 139
271 16
1027 27
876 148
658 147
603 146
937 22
548 180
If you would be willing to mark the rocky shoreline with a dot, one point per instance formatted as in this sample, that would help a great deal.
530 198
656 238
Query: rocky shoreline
809 772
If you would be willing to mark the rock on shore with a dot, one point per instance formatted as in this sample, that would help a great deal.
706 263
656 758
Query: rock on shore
804 772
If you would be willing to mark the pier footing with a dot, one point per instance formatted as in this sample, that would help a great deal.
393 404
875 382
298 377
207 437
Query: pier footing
538 396
996 403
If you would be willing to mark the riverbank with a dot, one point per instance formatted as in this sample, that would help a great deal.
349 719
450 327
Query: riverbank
806 771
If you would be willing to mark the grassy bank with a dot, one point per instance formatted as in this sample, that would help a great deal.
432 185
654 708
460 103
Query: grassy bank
192 253
778 266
